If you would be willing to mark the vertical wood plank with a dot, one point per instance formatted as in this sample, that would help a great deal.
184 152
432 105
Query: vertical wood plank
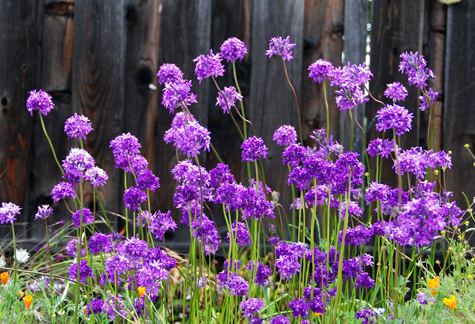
354 48
323 39
185 32
55 78
459 119
98 80
397 26
271 102
19 49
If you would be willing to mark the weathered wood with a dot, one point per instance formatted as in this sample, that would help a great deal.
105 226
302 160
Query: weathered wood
323 39
271 101
141 98
185 32
459 120
355 33
397 27
19 48
98 80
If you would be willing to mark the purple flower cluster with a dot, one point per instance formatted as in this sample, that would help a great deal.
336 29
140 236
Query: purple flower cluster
77 126
208 66
178 94
253 148
380 147
85 272
205 231
234 283
350 80
76 164
240 233
319 70
415 67
159 223
285 135
169 73
395 91
282 47
251 307
394 117
416 161
63 190
44 211
39 100
9 213
233 49
82 216
187 135
227 99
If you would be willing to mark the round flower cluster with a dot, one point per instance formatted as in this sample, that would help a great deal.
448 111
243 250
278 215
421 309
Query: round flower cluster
233 49
282 47
40 101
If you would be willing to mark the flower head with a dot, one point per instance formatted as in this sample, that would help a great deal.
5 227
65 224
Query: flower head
227 99
63 190
233 49
176 94
433 283
253 148
319 70
28 300
134 197
22 256
9 213
85 272
450 302
282 47
415 67
251 307
208 65
39 100
4 277
96 176
285 135
76 163
141 291
395 91
77 126
394 117
169 73
187 135
82 216
44 211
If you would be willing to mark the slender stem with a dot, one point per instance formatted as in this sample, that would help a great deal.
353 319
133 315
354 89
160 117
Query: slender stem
45 132
294 93
327 109
15 266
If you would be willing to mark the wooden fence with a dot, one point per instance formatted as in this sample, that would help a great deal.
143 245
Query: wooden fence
99 58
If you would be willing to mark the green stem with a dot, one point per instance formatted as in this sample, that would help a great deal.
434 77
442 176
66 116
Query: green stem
45 132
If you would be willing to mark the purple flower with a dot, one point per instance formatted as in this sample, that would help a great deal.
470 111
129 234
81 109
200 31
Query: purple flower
236 285
77 126
394 117
415 67
9 213
351 80
147 180
376 191
395 91
422 298
169 73
299 307
76 163
44 211
133 198
358 235
188 136
100 242
282 47
125 148
319 70
176 94
251 307
241 234
279 319
227 99
233 49
85 272
426 100
63 190
208 65
205 231
159 223
285 135
253 148
96 176
262 273
39 100
380 147
363 280
96 306
82 216
71 248
367 315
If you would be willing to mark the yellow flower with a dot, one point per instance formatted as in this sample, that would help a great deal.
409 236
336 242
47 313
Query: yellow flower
4 276
141 290
21 294
451 302
28 300
433 283
317 314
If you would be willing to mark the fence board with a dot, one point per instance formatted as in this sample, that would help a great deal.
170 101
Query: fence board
19 45
271 102
185 32
323 38
459 120
98 74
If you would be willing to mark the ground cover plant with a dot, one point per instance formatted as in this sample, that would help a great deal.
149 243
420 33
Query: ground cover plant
349 248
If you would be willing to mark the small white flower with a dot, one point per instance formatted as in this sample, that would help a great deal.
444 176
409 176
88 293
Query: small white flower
3 262
21 255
